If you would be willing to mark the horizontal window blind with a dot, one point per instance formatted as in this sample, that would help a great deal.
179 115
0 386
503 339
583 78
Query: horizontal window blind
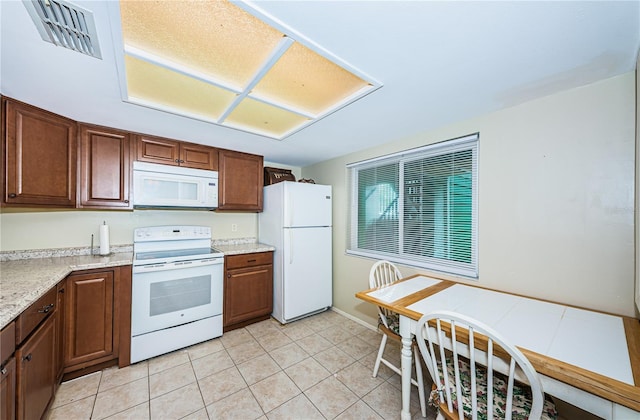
418 207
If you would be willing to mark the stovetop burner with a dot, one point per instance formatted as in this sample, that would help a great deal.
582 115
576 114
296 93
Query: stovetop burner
166 244
193 252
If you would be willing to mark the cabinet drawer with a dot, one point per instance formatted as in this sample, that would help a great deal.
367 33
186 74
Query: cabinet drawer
34 314
249 260
7 341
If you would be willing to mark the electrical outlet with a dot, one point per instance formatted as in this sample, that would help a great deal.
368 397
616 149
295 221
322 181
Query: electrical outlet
234 227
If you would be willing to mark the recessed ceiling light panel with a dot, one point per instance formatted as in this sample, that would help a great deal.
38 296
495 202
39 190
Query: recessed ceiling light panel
261 118
168 89
213 60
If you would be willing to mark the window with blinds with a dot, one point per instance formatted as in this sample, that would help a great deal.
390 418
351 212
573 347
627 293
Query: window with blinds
418 207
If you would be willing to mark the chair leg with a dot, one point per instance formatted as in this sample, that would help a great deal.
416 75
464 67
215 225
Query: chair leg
383 343
420 379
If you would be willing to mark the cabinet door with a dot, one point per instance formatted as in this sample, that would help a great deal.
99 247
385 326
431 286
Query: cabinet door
40 156
89 318
105 168
36 377
198 156
59 349
241 181
8 390
248 293
157 150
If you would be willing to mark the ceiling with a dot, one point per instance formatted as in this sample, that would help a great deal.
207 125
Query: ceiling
438 63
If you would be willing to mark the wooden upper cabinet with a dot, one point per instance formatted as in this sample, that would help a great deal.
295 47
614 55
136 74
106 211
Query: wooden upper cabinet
157 150
105 168
39 150
176 153
198 156
241 181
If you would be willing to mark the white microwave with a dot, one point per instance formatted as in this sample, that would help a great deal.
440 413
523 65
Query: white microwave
174 186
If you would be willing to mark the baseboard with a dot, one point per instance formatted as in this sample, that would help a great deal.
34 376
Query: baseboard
353 318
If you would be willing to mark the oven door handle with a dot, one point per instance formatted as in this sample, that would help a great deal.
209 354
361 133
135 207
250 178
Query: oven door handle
176 265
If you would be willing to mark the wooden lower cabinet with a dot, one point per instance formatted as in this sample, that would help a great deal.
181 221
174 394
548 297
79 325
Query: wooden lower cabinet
59 348
36 377
97 320
8 390
248 289
89 321
8 372
77 327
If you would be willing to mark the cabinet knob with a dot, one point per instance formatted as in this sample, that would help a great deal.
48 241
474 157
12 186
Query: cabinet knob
177 160
12 195
61 290
3 371
27 357
228 276
126 201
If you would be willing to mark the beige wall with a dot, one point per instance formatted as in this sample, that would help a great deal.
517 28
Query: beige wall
638 185
62 229
556 198
24 229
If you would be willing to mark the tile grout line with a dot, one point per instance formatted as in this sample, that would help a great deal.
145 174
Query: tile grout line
315 326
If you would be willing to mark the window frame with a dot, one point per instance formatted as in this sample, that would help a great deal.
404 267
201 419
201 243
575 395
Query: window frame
468 142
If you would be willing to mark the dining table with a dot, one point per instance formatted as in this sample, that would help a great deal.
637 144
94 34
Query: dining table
585 357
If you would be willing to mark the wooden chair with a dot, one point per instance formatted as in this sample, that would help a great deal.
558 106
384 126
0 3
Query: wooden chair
384 273
495 380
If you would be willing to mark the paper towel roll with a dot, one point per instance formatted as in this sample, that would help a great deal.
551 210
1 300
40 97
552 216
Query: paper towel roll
104 239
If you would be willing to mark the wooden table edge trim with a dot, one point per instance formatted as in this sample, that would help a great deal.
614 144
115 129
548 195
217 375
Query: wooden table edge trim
408 299
591 382
632 332
424 293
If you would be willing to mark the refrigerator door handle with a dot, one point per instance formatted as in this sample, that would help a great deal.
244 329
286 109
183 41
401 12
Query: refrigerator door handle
290 247
291 216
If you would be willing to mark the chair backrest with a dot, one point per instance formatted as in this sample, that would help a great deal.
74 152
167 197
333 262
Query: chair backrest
492 360
383 273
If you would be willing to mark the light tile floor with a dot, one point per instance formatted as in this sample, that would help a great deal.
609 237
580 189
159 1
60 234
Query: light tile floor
315 368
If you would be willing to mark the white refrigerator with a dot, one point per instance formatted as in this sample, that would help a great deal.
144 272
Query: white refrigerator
296 220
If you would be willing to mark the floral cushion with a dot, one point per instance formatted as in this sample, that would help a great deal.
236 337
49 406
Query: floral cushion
521 395
393 321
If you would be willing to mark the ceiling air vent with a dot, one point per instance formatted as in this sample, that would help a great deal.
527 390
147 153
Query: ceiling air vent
65 24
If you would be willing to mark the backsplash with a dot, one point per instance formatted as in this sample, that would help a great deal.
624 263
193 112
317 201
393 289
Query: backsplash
75 251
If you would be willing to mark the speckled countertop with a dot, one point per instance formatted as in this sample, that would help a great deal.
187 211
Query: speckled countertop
27 275
248 248
23 281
